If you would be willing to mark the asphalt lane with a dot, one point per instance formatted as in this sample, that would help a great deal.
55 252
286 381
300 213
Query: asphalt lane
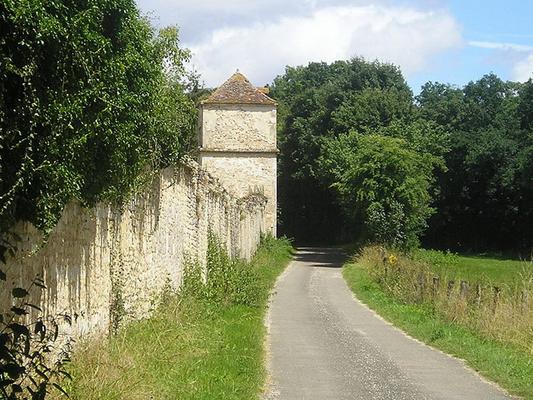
324 344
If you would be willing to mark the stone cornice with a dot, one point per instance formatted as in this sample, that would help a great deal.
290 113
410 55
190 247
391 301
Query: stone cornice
244 151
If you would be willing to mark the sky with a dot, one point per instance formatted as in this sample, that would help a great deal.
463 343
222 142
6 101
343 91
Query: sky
451 41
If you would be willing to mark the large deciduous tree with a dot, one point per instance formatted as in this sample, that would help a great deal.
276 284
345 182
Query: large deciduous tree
321 101
477 139
383 186
486 194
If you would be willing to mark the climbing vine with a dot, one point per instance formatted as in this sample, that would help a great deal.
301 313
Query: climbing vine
91 98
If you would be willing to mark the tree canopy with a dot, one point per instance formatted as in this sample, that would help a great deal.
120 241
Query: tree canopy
321 101
382 184
486 194
92 98
325 108
464 154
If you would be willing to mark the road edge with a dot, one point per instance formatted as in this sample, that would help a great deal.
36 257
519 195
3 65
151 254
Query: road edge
269 390
462 361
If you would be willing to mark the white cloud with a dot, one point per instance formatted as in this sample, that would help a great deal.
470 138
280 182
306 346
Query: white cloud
523 70
501 46
198 17
406 36
513 53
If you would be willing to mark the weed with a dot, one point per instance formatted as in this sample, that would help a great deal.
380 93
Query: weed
32 355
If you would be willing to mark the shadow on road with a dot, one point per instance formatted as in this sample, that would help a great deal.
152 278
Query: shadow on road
323 257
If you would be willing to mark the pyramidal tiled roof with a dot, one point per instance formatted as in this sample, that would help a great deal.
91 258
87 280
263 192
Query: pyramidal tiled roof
238 90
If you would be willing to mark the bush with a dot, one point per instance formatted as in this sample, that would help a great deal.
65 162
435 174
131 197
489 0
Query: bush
30 360
90 100
227 281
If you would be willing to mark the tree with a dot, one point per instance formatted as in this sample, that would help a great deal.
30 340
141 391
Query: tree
91 101
321 101
483 202
525 107
372 108
382 184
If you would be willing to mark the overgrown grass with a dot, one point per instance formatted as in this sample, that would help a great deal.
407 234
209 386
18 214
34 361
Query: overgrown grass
502 312
475 267
204 343
446 321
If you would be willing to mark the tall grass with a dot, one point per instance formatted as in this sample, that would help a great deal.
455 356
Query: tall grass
503 312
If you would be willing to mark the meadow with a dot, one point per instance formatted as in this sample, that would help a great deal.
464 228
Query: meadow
489 268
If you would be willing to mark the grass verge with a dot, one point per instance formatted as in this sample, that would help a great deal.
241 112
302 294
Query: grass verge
503 363
205 343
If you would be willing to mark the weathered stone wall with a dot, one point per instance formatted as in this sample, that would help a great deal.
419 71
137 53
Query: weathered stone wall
238 127
238 146
106 264
243 173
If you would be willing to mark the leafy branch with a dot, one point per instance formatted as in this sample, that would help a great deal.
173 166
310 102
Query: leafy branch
31 361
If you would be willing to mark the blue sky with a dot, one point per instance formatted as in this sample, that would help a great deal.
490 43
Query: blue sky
493 22
431 40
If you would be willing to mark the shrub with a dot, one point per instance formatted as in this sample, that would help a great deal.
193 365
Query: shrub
226 281
30 360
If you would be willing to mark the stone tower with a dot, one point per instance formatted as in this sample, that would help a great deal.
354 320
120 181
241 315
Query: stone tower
238 141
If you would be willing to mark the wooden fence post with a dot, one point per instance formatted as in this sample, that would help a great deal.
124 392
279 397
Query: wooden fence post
464 289
436 281
450 288
478 295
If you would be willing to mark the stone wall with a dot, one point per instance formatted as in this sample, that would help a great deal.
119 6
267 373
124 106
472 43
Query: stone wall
106 264
244 173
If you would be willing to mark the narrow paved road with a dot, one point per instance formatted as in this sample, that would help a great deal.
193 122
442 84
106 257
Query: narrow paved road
324 344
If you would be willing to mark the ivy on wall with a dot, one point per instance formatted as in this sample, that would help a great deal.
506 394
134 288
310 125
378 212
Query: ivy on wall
92 101
91 98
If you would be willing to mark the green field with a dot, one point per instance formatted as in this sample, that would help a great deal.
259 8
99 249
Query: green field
191 348
476 268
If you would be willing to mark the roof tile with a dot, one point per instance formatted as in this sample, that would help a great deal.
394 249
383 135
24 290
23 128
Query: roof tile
238 90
